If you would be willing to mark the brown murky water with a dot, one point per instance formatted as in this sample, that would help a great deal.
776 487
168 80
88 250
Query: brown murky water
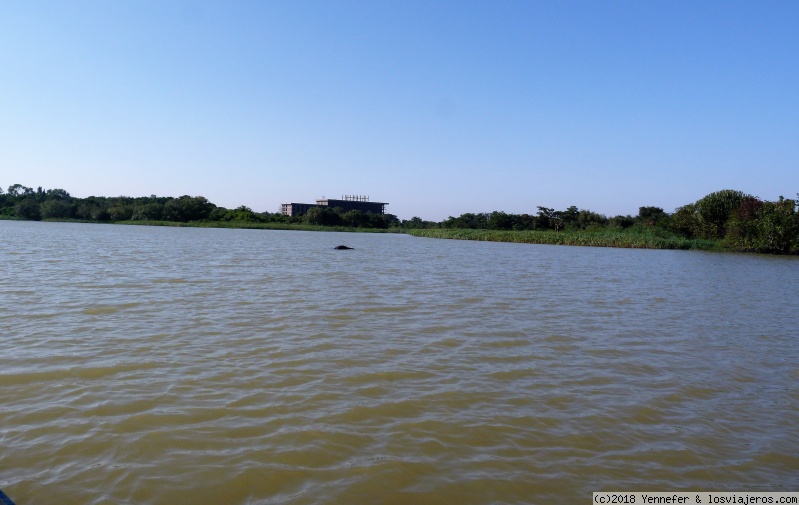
162 365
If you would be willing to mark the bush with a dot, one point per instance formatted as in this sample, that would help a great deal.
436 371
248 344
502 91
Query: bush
56 209
715 210
765 227
28 209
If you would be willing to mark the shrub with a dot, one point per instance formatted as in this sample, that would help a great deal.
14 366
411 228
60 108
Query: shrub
28 209
715 210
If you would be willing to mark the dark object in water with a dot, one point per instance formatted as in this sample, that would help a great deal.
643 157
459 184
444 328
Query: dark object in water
342 247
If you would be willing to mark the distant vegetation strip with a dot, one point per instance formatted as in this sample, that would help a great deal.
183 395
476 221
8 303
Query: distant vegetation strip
724 220
601 238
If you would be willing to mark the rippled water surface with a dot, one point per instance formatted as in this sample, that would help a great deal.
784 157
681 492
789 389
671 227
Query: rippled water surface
169 365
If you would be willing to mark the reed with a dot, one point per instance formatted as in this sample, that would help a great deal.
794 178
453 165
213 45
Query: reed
600 238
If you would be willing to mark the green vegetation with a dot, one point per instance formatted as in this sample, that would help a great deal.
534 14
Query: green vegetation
633 238
725 220
21 202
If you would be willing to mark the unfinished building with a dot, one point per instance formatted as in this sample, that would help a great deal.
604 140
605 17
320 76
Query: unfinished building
346 203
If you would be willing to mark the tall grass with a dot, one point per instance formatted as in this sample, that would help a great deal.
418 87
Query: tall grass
635 238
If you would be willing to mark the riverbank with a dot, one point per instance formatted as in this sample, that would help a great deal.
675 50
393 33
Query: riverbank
635 239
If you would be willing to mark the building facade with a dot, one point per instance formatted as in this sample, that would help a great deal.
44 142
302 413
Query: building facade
346 203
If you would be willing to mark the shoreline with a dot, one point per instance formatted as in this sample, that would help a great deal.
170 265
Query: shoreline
623 239
603 238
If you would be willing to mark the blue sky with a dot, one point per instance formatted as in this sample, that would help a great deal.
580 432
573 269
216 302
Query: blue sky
438 108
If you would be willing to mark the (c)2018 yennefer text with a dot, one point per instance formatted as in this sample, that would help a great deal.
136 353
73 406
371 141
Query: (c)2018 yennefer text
694 497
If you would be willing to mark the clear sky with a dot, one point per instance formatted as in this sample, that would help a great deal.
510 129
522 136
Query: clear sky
437 107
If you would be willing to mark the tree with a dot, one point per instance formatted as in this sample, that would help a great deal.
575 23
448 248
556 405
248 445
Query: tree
525 222
322 216
388 220
650 215
620 221
415 222
243 214
356 219
56 209
499 220
468 220
20 190
151 211
586 219
684 221
28 209
569 217
57 194
120 212
714 211
549 219
765 227
187 208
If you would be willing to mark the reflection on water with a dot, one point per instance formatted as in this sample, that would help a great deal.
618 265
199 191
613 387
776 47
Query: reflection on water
168 365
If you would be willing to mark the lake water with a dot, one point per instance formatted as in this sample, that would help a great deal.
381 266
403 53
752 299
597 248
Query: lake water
155 365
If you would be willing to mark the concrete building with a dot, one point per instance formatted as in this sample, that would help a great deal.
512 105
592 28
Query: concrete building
346 203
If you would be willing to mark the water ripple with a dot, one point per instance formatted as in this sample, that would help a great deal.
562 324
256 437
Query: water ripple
155 365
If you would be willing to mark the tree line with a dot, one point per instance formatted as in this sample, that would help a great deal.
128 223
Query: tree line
22 202
735 219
